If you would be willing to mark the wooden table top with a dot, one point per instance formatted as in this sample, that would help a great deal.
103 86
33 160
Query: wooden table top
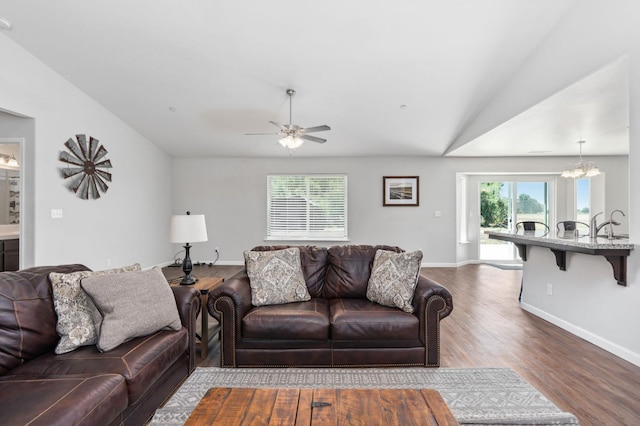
244 406
204 282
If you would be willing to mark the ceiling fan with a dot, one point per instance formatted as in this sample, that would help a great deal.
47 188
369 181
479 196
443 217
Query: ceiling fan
293 135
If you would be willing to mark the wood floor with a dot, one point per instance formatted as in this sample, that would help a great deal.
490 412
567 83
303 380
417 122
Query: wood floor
488 329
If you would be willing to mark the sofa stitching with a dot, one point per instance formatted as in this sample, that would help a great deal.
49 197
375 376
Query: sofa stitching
62 397
96 406
192 340
227 299
437 328
21 334
150 364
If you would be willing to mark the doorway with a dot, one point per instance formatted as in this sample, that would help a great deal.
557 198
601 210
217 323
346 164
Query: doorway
11 189
505 203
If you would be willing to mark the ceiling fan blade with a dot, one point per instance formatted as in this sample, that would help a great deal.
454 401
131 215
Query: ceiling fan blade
254 134
278 124
313 138
316 129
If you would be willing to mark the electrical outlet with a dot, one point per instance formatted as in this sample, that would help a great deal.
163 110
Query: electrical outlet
549 289
56 213
217 249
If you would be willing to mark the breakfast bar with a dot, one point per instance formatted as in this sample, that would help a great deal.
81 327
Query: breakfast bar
615 251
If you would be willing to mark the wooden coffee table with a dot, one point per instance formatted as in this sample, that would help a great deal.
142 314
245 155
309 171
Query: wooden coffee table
238 406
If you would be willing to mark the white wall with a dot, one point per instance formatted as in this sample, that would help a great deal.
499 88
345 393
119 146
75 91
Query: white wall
130 222
231 192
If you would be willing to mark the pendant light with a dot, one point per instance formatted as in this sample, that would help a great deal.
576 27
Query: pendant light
581 168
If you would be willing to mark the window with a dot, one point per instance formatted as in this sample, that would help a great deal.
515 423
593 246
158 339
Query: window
583 199
307 207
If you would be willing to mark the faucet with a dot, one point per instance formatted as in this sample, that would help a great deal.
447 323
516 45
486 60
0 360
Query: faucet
611 223
593 229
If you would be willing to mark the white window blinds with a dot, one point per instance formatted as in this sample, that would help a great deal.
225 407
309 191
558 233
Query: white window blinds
307 207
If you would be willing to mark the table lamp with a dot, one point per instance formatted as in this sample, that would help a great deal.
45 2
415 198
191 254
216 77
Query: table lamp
187 229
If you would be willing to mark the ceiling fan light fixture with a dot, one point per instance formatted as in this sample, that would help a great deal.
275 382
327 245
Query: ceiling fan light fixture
291 142
581 168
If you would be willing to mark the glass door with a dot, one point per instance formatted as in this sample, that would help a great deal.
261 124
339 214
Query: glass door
502 205
532 201
496 214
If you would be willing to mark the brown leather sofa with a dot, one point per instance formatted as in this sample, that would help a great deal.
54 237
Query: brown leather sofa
338 327
83 387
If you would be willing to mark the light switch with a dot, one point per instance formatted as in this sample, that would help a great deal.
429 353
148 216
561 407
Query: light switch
56 213
437 213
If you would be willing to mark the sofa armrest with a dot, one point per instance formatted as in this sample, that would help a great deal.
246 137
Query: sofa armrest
229 302
189 304
431 302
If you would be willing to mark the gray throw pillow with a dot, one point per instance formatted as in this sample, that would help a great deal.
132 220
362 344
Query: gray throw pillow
276 277
76 312
394 277
132 304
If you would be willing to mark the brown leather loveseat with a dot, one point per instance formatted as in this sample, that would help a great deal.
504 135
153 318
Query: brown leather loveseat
84 387
338 327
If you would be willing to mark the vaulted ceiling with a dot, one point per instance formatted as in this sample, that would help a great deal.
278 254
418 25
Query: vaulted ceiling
390 78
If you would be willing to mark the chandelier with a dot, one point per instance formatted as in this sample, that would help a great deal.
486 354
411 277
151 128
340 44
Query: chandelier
581 168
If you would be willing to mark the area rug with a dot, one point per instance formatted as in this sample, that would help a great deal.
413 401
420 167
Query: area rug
487 396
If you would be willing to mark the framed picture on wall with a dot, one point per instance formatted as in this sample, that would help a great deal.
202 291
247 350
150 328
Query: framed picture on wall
401 191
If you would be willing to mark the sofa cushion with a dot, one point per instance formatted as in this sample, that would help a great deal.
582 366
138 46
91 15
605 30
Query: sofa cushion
62 400
276 277
141 361
362 320
393 279
293 321
132 304
76 312
349 269
27 317
313 261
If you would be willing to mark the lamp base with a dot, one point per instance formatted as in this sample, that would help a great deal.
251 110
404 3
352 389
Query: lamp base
187 280
187 267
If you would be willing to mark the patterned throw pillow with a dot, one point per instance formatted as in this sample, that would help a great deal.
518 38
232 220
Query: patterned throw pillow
394 277
132 304
75 310
276 277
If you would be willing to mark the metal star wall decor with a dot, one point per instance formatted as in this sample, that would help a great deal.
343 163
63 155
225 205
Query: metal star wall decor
84 167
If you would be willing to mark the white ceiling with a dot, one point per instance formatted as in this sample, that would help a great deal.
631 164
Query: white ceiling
224 66
595 109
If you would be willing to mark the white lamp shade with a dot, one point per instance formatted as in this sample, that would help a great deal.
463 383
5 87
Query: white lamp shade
188 229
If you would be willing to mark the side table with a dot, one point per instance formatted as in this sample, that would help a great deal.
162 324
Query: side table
204 284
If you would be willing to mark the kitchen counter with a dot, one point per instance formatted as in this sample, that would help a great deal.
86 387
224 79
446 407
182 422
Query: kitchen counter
615 251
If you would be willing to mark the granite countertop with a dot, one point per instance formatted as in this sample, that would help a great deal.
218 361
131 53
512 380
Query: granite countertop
600 243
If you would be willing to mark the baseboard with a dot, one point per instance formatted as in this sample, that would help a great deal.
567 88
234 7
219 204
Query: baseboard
230 262
438 265
599 341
